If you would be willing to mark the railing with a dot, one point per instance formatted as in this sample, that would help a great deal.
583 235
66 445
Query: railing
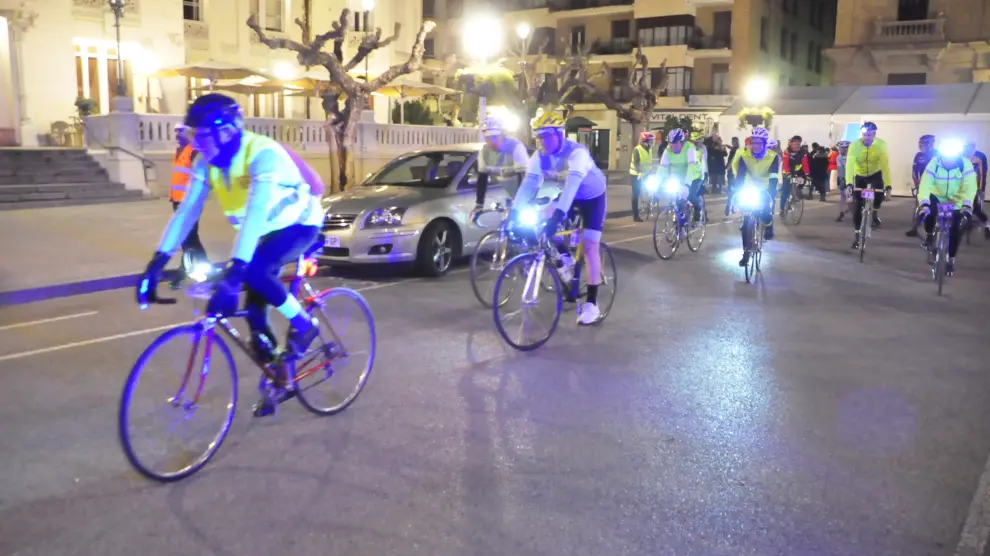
396 138
906 31
611 47
564 5
526 4
710 43
97 130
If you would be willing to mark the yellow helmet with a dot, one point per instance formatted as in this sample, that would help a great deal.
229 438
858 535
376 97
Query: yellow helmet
697 136
548 120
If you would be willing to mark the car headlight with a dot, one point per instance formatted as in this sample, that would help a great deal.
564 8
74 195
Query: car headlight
750 197
385 217
652 183
529 217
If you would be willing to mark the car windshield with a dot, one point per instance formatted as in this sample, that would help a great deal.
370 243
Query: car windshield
431 169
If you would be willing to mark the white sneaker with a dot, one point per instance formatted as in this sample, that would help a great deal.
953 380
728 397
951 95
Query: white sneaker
589 314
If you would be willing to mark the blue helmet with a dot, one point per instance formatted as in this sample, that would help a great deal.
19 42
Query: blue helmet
214 110
676 136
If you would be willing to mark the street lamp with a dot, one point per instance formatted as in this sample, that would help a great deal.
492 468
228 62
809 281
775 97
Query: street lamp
757 90
523 30
117 6
481 37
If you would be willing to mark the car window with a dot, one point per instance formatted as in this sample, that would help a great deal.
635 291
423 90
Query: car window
432 169
471 178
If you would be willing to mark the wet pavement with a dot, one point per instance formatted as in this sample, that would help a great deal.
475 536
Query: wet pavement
833 407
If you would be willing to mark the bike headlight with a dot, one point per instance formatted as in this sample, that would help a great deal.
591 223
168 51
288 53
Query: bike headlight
652 183
951 148
385 217
201 272
672 186
749 197
529 217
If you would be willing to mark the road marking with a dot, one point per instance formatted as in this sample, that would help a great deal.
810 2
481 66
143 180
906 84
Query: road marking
43 321
976 529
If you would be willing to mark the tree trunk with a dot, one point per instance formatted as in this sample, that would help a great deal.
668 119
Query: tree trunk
334 143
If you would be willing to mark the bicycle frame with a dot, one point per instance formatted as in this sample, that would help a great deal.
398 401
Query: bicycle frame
535 273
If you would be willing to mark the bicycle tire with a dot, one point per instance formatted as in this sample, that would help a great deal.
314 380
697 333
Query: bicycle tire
693 245
864 232
750 266
613 284
940 260
795 206
521 261
362 381
500 252
123 428
668 214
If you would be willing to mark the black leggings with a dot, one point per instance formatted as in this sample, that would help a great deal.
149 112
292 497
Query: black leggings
875 182
955 232
261 278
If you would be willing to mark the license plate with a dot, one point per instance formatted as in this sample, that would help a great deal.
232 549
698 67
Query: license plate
331 241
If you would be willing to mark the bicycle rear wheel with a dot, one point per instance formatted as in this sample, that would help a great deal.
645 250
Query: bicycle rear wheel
487 262
519 280
666 233
179 390
696 227
608 284
337 356
795 209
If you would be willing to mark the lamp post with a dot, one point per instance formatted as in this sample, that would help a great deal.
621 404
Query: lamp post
482 37
117 6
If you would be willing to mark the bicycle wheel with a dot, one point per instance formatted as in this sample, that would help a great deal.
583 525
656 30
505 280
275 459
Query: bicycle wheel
182 387
940 260
864 232
487 262
343 351
795 210
758 241
666 233
518 281
644 206
751 229
608 284
696 228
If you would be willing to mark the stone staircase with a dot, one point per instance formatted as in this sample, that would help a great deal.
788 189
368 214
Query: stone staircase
37 178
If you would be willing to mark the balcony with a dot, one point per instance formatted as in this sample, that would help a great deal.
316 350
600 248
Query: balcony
710 98
708 3
591 7
924 30
612 47
710 47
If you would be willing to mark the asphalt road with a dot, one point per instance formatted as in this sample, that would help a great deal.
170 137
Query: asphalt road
832 408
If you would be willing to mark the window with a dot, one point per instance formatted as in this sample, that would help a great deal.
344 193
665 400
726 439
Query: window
621 29
577 38
821 16
96 75
722 27
271 19
429 9
794 48
678 82
665 31
191 10
907 78
811 56
428 51
362 22
764 34
433 169
912 10
720 79
783 43
620 76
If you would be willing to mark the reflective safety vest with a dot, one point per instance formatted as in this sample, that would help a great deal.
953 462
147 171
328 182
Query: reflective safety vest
641 161
181 172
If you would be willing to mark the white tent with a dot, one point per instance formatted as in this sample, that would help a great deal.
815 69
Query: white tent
902 113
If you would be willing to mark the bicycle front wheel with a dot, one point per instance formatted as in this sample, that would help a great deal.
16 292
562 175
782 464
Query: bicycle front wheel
487 263
696 228
864 233
666 233
191 353
342 362
795 210
940 260
528 280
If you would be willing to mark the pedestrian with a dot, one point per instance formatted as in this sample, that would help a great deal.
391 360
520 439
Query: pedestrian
716 164
640 166
193 252
842 149
819 169
926 151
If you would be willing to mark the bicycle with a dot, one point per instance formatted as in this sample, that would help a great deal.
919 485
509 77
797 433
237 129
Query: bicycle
938 250
648 201
680 215
753 200
532 268
866 226
285 372
794 209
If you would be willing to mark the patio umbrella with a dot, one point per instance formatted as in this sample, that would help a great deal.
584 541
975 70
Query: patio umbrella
403 88
209 69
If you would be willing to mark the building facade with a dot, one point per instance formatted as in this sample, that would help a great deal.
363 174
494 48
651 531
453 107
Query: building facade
911 42
55 51
711 47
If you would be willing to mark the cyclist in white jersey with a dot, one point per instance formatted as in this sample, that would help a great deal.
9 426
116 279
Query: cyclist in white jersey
570 163
501 157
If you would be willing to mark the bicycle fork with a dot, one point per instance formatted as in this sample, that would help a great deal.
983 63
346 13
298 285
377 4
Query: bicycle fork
533 279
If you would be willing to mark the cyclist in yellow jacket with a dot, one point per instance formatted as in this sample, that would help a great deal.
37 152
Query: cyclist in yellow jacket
867 165
949 178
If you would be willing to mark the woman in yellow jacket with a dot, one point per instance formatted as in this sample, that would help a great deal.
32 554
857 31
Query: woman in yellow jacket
948 178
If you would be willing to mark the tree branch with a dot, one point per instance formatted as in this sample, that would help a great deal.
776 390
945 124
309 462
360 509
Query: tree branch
412 64
370 43
304 28
306 55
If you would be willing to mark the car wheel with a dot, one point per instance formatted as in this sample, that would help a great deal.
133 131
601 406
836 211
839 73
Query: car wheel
436 249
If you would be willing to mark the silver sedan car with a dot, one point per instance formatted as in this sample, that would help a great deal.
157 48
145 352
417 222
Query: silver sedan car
413 210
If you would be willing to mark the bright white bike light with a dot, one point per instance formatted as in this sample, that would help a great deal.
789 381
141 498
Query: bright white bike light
529 217
750 198
951 148
652 183
201 272
672 187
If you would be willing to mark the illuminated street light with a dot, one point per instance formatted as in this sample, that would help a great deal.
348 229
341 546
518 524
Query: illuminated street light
523 30
756 91
481 36
368 5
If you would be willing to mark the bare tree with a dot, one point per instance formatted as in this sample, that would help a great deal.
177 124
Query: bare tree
642 96
342 122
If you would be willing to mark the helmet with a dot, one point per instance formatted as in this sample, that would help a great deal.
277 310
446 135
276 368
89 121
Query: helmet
492 126
214 110
647 136
868 126
927 139
796 138
761 133
697 135
772 144
675 136
548 121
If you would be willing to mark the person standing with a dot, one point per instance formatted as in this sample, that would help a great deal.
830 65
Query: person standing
716 164
640 165
926 151
842 149
192 248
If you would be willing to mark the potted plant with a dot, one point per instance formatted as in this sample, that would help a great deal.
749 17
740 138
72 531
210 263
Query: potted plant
85 106
755 116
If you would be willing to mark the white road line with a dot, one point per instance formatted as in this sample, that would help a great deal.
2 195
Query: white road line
43 321
976 529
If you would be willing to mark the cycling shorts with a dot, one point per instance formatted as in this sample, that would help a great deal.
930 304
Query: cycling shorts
592 215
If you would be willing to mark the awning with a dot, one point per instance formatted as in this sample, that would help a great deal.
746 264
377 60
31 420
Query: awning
573 124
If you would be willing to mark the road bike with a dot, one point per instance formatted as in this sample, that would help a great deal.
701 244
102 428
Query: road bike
938 248
794 209
753 201
649 201
866 224
531 277
678 222
283 377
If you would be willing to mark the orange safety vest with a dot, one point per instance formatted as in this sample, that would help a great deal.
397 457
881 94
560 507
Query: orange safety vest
182 171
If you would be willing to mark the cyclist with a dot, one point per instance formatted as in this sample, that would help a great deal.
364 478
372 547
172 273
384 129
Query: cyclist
761 166
584 188
640 166
260 187
979 162
840 177
794 164
926 150
867 165
949 177
682 165
502 157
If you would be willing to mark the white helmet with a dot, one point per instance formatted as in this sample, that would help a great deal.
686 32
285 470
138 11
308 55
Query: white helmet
492 126
761 133
676 135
